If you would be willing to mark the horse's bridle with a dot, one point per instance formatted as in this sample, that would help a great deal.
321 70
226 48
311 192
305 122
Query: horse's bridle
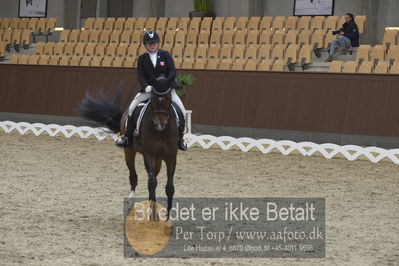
161 111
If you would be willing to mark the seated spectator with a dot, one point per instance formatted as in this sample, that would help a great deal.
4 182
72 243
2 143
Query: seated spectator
348 36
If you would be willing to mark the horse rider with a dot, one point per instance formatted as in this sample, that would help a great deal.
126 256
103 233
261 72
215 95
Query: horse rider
150 65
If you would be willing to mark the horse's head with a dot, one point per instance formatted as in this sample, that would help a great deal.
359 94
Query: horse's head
161 101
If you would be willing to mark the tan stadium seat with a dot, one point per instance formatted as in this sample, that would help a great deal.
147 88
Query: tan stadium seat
115 36
54 60
161 24
100 50
143 50
14 23
59 48
69 49
363 53
96 61
129 62
94 36
169 39
317 23
265 51
5 23
41 25
291 54
393 54
7 36
341 21
43 60
187 65
111 50
99 24
121 50
180 38
203 39
291 37
13 58
212 65
139 24
279 65
135 38
128 25
183 23
192 38
189 54
318 38
241 23
215 39
201 54
89 24
107 61
89 50
229 24
64 60
226 54
2 49
213 54
251 53
119 24
278 52
238 54
305 54
104 36
1 34
304 22
23 59
265 37
172 24
366 67
278 23
227 38
390 37
51 24
329 38
85 61
251 65
378 53
335 66
166 48
206 24
23 23
381 68
84 35
177 53
395 68
265 65
239 65
331 23
49 48
64 36
109 24
217 25
266 24
132 51
26 38
126 36
118 62
349 67
33 59
291 23
151 23
278 37
75 60
253 23
199 65
80 49
360 21
253 38
16 36
239 38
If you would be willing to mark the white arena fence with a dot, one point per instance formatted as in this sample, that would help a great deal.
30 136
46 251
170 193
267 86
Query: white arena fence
285 147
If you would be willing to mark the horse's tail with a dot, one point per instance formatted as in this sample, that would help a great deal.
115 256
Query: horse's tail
102 109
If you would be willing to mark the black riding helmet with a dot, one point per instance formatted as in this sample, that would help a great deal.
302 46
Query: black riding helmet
150 36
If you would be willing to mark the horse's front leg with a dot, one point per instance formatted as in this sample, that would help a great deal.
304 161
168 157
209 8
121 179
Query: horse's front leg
152 183
170 188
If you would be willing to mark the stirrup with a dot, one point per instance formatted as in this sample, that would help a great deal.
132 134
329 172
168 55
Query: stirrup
122 141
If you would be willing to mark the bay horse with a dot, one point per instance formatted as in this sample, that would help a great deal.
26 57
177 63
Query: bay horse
158 134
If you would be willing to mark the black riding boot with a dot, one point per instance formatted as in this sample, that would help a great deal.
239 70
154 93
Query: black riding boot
182 143
126 140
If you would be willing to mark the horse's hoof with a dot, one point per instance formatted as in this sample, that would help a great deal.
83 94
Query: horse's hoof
169 224
131 195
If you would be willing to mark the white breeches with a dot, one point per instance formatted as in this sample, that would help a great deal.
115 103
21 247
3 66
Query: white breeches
143 96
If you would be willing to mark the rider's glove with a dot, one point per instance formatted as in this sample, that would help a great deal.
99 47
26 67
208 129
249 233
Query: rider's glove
148 88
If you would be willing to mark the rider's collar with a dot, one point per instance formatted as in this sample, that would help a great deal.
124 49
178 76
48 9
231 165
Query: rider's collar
152 52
